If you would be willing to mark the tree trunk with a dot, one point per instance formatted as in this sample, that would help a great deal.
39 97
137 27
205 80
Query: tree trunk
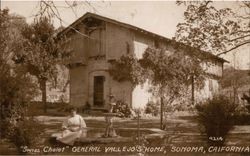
235 94
44 98
138 128
192 88
161 122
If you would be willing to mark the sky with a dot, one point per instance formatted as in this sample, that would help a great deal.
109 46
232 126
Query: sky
160 17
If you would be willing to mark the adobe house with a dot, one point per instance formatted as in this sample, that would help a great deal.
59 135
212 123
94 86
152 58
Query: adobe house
97 40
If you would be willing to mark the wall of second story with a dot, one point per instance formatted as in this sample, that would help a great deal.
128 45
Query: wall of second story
119 41
111 41
107 40
78 45
96 42
214 68
142 42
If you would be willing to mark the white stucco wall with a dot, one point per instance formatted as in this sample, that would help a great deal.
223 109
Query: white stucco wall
211 87
141 96
139 49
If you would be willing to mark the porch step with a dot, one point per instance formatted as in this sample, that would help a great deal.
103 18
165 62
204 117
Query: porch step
97 111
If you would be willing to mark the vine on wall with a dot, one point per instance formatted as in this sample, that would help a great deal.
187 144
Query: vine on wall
127 68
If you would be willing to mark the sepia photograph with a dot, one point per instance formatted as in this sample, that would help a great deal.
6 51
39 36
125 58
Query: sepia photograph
135 77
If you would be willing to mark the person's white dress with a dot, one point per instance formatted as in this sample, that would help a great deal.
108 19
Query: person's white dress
74 129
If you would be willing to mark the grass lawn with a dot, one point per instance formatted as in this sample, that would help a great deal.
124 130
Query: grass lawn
181 131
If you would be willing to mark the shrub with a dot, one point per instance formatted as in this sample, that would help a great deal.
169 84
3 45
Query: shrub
24 133
122 108
4 127
152 108
16 90
17 87
86 108
242 119
64 107
216 117
248 108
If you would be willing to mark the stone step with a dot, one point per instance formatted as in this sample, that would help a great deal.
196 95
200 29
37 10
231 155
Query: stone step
97 111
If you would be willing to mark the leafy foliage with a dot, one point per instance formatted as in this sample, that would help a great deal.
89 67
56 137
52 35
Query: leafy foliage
152 108
15 93
216 117
122 108
127 68
17 88
242 119
214 30
234 77
41 52
171 73
25 133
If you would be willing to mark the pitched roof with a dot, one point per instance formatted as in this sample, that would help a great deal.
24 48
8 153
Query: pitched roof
129 26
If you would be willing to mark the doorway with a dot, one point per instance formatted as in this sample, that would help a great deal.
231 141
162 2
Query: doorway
99 91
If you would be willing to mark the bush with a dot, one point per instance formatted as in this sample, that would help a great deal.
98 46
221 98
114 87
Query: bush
216 117
4 128
86 108
24 133
242 119
17 87
16 90
122 108
248 107
64 107
152 108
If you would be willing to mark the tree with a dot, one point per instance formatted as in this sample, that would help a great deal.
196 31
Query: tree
169 73
51 9
218 31
41 52
235 79
231 74
17 88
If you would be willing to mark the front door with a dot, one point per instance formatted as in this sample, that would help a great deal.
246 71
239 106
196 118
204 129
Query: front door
99 91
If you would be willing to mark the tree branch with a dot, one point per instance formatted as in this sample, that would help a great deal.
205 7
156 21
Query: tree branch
240 37
237 46
240 31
